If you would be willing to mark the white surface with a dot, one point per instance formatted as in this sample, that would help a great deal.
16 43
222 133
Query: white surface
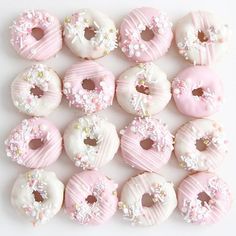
11 64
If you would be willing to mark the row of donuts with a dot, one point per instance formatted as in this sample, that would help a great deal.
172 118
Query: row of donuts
201 37
142 90
91 198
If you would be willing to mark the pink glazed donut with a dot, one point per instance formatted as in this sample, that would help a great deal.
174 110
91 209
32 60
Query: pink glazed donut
89 86
203 198
90 198
131 42
157 150
30 47
34 143
197 91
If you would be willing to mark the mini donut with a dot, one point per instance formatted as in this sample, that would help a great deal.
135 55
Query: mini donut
43 80
203 198
38 195
91 141
197 91
162 194
156 90
152 157
138 20
91 99
102 43
213 152
90 198
34 143
29 47
202 37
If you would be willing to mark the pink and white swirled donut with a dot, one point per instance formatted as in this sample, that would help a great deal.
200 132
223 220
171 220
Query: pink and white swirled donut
103 41
26 45
46 146
156 90
89 100
197 91
211 154
156 154
48 84
90 198
203 198
131 42
202 37
161 192
91 141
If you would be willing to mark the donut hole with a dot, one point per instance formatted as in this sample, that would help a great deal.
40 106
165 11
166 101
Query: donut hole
197 92
36 91
91 199
37 196
37 33
202 36
204 198
201 144
35 144
146 144
147 34
147 200
90 141
89 33
88 84
142 89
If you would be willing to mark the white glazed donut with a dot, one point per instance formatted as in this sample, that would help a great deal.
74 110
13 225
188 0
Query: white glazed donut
100 44
152 80
37 77
202 37
38 195
91 141
211 134
162 194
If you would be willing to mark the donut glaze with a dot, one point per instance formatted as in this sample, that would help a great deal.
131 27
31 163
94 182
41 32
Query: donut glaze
162 194
37 76
26 45
198 211
18 143
96 128
102 43
155 82
94 100
157 155
192 79
41 209
131 42
90 184
215 40
212 134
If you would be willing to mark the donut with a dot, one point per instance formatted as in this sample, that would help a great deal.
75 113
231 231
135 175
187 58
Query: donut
159 144
137 22
40 47
197 91
36 91
90 34
90 198
91 141
202 38
38 195
143 90
212 148
89 86
34 143
203 198
162 196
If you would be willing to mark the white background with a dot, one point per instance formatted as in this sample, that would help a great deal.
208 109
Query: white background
10 64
